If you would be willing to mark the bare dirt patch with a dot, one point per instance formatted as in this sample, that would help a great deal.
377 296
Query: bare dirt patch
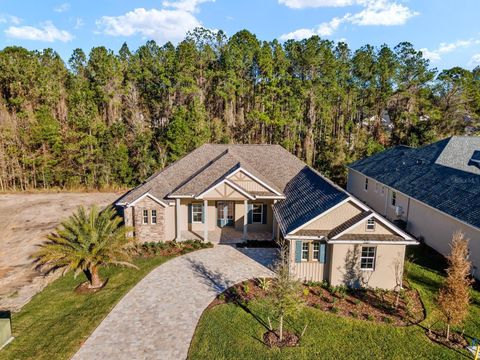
25 219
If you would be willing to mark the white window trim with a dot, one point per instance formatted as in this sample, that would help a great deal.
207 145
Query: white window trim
315 251
201 212
308 251
261 213
151 217
372 219
374 257
143 217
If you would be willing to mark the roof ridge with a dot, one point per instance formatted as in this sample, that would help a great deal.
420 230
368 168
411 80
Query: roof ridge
199 171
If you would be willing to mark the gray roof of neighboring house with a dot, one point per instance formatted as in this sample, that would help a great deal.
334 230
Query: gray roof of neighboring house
307 193
458 152
436 174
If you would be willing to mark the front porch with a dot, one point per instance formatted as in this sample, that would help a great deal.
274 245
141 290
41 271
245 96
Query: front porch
227 235
224 221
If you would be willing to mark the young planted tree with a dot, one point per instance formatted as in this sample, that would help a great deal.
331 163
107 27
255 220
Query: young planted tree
85 242
285 295
454 296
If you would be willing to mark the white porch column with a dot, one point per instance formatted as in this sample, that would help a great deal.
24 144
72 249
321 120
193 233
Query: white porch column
178 234
273 221
245 220
205 220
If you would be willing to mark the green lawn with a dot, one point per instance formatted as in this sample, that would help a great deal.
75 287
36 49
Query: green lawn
229 332
56 322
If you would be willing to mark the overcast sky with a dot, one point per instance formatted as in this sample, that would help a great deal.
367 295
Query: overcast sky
447 31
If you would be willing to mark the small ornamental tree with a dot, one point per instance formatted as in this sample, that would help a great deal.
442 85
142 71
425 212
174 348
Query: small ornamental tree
454 295
286 293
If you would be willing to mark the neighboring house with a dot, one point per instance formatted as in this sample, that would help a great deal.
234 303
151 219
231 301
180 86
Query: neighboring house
434 190
232 193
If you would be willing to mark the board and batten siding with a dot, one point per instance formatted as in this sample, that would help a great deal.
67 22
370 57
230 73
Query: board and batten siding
247 182
334 218
307 270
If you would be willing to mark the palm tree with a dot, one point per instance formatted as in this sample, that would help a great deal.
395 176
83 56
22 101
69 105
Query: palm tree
86 241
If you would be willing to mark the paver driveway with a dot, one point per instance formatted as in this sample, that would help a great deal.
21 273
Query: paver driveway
157 318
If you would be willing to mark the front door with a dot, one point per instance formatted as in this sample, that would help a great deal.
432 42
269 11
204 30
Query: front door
225 211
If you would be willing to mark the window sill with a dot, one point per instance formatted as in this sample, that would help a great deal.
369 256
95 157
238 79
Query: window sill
368 270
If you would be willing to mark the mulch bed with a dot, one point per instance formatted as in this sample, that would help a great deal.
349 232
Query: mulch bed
272 339
456 341
371 305
168 248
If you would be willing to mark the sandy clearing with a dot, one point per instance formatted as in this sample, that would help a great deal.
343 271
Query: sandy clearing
25 219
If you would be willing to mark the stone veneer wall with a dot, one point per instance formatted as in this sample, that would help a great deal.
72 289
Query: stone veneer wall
146 232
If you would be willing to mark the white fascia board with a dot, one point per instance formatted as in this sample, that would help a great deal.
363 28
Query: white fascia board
373 242
275 197
254 178
151 197
181 196
303 237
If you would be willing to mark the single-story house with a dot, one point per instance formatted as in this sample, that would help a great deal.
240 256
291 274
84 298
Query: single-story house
234 193
434 190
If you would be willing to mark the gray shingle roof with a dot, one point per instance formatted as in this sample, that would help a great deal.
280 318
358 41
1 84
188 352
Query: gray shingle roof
422 174
307 193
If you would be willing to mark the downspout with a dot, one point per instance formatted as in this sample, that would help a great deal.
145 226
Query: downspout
387 194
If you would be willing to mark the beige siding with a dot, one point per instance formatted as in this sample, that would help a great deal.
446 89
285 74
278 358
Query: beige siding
169 223
435 227
361 228
378 196
247 182
345 266
308 270
148 232
223 192
335 217
239 210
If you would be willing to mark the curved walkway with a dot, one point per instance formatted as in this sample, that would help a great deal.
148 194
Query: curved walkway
157 318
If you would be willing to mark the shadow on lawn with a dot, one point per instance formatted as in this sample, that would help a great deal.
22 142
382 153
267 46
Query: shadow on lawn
219 283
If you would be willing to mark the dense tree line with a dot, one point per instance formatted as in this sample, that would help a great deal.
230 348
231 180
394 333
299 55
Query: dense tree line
111 119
